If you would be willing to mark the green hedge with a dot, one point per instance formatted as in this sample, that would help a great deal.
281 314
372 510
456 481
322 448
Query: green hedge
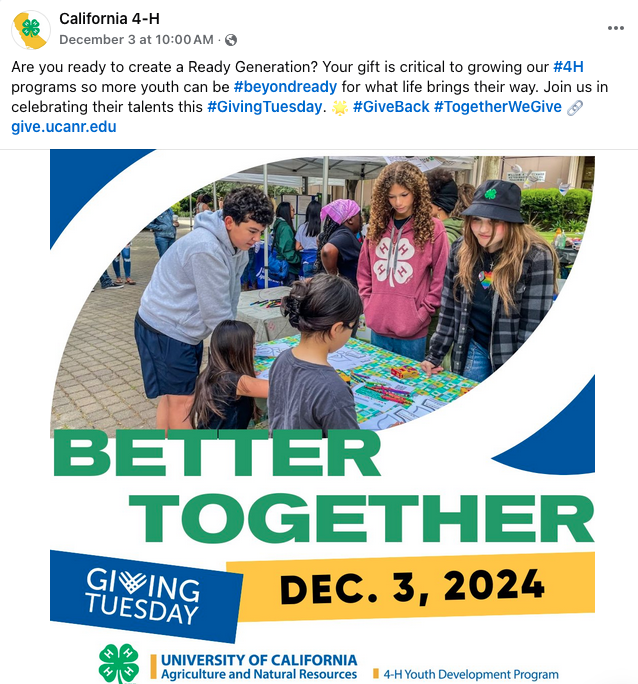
548 209
577 204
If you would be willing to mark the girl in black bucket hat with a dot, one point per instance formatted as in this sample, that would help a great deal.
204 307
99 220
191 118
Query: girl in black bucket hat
499 284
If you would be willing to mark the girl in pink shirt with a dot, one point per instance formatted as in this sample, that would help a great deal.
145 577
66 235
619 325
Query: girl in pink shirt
402 262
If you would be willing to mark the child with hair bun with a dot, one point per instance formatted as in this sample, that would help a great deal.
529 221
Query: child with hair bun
305 391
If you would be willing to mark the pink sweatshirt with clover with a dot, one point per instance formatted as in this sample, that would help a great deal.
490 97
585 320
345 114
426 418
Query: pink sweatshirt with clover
400 284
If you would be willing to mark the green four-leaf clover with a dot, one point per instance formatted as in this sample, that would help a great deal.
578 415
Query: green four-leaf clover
121 664
31 28
490 194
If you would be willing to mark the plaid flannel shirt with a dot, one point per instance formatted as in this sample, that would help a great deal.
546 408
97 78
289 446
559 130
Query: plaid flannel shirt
533 297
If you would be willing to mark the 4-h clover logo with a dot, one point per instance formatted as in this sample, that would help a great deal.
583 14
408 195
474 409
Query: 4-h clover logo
397 268
31 28
490 194
120 664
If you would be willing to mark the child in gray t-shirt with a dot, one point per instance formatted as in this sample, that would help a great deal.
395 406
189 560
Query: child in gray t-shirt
305 391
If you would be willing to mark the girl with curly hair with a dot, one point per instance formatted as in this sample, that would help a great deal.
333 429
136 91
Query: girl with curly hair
499 284
402 262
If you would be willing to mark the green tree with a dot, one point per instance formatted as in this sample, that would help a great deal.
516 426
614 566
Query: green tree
224 187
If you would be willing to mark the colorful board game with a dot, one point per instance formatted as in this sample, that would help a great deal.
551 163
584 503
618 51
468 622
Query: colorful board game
407 397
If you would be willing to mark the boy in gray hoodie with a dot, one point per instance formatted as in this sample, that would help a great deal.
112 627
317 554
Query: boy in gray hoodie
195 286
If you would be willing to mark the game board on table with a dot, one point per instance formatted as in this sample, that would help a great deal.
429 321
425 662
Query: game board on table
382 399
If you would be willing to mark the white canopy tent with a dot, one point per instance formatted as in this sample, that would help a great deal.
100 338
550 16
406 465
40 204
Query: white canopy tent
347 168
291 172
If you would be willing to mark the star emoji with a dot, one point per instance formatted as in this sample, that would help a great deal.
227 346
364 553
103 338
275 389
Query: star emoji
340 108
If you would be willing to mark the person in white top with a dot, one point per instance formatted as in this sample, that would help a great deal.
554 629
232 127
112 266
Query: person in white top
306 238
307 233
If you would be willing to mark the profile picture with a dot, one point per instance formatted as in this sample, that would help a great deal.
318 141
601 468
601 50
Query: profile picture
31 30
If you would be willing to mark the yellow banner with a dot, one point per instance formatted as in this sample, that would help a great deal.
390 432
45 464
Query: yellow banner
433 586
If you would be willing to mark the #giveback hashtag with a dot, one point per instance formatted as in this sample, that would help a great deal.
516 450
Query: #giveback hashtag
452 107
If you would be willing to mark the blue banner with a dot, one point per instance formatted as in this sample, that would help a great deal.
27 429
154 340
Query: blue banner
144 597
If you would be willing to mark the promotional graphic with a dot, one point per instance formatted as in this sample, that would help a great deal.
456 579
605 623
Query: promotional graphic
289 528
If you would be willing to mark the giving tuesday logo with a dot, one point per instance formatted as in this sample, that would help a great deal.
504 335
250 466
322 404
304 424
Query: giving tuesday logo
130 583
157 597
144 597
119 663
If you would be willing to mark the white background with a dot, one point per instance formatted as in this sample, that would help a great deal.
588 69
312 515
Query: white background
590 330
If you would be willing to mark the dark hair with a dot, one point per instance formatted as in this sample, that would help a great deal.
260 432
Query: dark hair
283 211
408 176
437 178
248 203
231 352
313 219
315 305
206 199
329 227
